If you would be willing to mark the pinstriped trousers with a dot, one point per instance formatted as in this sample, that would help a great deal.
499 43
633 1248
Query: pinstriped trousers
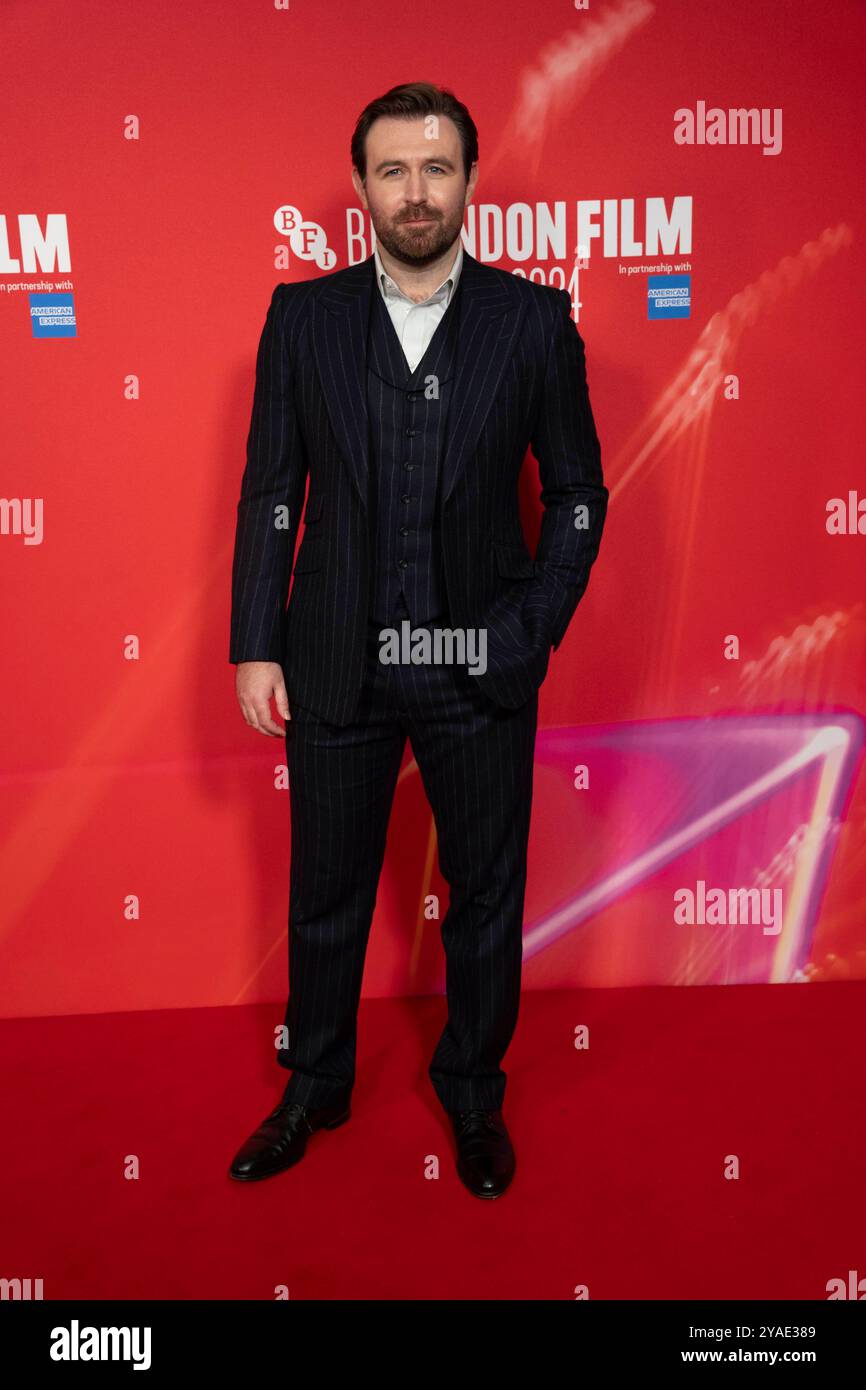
476 763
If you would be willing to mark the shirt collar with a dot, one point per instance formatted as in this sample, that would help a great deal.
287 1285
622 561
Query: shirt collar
391 289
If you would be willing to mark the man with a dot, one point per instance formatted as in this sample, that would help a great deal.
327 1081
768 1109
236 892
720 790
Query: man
409 388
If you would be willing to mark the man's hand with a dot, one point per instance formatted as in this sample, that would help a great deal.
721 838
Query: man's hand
258 682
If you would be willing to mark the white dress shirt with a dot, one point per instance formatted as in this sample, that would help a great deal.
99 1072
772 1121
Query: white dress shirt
416 323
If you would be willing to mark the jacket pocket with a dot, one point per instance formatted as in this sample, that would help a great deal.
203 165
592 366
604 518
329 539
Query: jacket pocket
513 562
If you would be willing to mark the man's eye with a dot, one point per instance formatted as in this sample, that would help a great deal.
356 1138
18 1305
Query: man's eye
437 167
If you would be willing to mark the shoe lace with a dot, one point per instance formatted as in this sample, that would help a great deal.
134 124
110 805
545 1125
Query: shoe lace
287 1107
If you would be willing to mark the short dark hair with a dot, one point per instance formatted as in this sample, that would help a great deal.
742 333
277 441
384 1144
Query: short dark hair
413 99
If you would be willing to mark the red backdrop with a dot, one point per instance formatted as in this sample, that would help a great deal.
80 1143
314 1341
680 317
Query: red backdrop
712 680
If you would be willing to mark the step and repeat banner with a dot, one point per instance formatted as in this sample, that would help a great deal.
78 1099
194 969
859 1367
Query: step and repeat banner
691 173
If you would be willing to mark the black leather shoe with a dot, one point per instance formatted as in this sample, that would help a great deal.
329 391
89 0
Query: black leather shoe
485 1158
281 1139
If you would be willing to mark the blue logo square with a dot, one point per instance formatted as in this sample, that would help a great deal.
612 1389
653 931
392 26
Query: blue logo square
669 296
53 315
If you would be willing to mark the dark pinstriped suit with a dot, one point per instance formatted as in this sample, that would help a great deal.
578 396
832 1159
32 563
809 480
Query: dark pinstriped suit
329 386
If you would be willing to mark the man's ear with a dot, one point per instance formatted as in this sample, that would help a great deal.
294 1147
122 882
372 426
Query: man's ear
360 186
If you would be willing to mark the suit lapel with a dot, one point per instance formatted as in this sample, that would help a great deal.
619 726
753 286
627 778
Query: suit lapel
491 315
339 333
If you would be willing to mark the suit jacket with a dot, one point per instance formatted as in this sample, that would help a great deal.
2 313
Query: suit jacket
520 382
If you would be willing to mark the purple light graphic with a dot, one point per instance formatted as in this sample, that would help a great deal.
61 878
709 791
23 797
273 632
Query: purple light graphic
783 780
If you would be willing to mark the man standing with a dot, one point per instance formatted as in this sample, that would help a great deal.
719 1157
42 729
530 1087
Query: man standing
409 388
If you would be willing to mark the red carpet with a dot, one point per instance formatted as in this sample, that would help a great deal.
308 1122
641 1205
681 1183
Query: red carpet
621 1154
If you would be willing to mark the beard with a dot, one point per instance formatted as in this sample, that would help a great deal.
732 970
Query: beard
421 245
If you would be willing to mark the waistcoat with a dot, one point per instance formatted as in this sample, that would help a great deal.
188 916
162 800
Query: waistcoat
408 413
